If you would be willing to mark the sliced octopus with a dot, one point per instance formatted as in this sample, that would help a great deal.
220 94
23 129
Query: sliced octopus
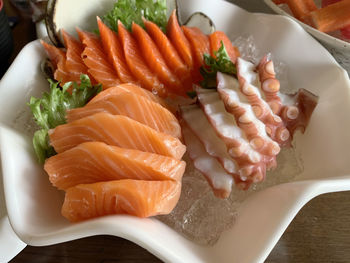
238 129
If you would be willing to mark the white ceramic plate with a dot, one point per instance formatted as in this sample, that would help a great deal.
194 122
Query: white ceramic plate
34 205
10 244
323 37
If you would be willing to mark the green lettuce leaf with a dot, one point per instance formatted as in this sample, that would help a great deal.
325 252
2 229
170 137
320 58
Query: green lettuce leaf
221 63
128 11
50 110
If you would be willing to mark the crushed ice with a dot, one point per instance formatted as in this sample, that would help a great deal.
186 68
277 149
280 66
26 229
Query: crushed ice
199 215
24 121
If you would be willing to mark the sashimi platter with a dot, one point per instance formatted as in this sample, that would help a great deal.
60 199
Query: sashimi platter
192 128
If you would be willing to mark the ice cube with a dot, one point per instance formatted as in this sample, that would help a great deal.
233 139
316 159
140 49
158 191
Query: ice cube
201 217
207 218
247 48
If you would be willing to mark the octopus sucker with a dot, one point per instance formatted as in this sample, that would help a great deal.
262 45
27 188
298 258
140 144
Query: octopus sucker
264 86
275 106
297 110
270 85
197 122
226 127
235 133
236 103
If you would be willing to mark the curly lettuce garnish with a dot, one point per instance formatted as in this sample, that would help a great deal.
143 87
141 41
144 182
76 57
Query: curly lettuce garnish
128 11
221 62
50 110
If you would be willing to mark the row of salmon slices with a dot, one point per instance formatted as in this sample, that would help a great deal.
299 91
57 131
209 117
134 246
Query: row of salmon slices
119 154
164 63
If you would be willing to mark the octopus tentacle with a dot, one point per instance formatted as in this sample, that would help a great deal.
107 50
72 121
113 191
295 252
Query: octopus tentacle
196 120
250 81
297 109
269 84
236 104
226 127
220 181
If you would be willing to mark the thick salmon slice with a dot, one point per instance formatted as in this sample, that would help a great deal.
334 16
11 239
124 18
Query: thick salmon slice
127 87
200 45
92 162
115 130
95 59
155 60
215 43
133 197
114 50
179 40
134 106
137 64
74 62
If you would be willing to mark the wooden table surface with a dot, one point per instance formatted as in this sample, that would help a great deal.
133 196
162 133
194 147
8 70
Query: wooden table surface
319 233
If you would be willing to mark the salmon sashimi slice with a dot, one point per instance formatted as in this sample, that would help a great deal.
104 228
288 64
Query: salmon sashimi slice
74 62
179 40
114 50
200 45
133 197
215 43
128 87
56 55
155 60
95 59
137 64
63 76
58 59
115 130
134 106
167 50
92 162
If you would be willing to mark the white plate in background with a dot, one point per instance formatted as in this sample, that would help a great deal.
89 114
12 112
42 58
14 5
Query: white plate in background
34 205
332 41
